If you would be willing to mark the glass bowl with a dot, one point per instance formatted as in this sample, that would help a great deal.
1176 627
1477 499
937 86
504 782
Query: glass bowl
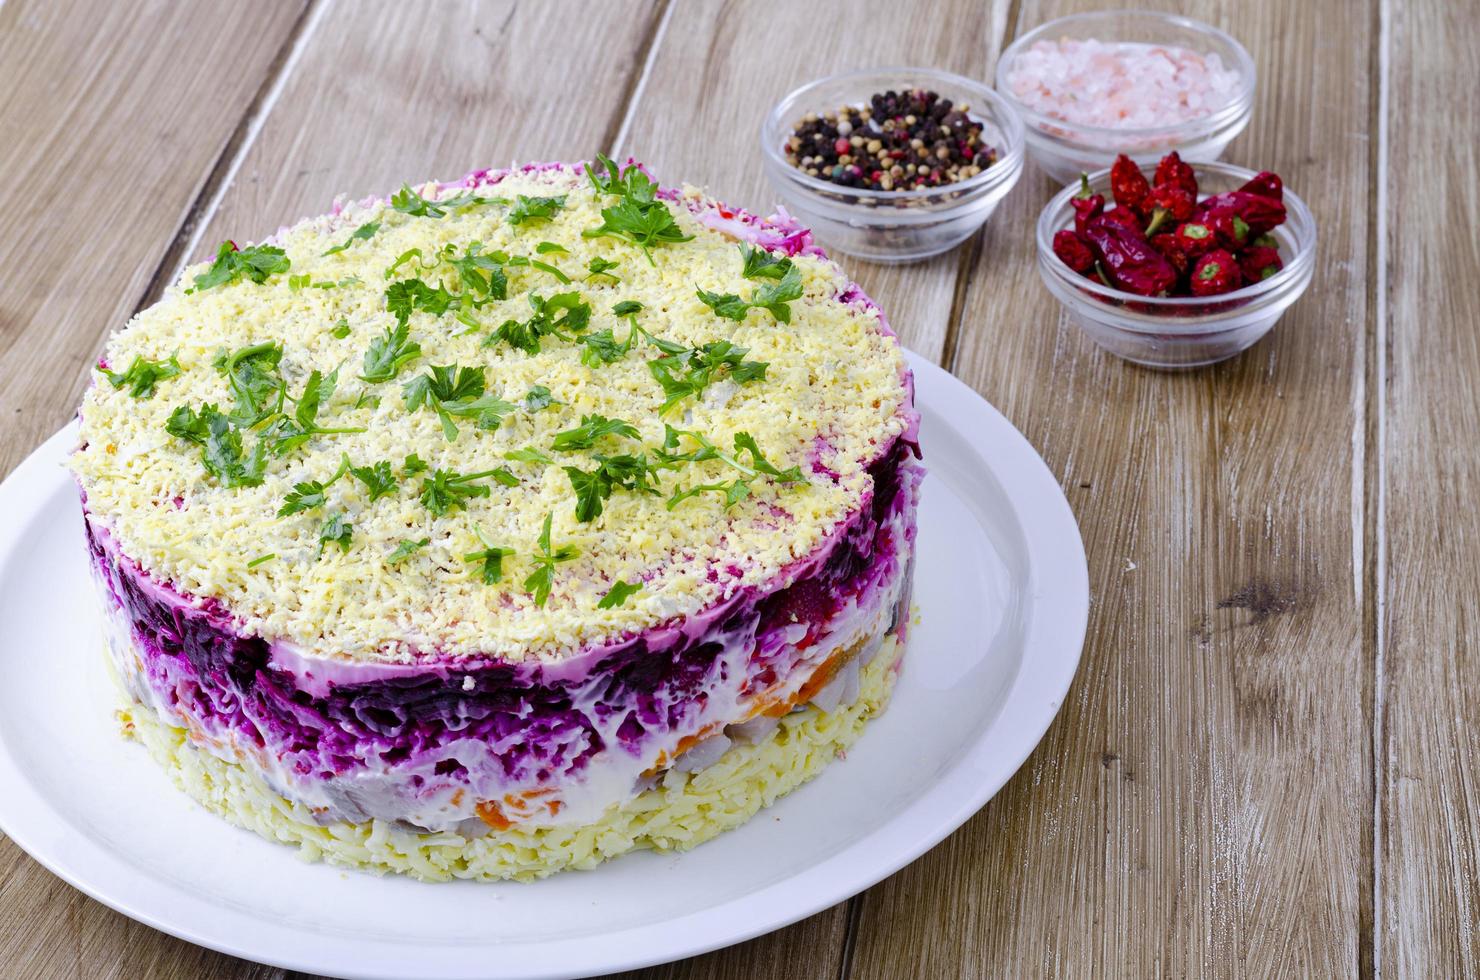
1184 331
1064 150
893 226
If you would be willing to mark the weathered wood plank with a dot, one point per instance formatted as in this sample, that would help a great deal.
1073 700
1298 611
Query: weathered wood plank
718 69
111 118
1429 734
1202 805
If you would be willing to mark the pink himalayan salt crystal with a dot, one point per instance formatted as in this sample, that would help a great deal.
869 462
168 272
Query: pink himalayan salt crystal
1120 85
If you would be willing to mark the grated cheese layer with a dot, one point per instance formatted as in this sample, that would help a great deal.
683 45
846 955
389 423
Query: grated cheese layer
835 396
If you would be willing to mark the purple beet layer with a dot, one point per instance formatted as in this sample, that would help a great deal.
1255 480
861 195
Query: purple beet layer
537 721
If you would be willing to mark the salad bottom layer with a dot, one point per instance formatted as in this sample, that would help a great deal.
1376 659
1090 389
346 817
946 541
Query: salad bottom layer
682 810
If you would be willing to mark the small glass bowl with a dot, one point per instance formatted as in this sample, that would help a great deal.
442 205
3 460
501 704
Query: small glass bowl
893 226
1183 331
1064 150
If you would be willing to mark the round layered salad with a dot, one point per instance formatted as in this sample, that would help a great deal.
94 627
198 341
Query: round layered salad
503 526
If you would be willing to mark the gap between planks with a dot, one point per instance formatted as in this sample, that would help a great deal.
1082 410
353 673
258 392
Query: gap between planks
1374 469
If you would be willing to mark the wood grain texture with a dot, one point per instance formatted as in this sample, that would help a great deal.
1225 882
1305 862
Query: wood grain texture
1429 734
1201 805
103 159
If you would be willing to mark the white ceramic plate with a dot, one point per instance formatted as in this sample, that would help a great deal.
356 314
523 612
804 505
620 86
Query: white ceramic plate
1003 594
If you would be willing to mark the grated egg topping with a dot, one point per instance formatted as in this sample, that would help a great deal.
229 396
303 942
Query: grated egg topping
834 396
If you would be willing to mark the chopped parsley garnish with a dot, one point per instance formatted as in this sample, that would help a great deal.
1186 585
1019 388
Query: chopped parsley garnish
336 530
256 262
481 276
761 264
738 489
619 594
542 579
455 392
491 559
261 560
341 329
412 295
409 255
361 234
378 479
389 354
602 348
143 374
688 374
563 314
524 261
311 494
408 201
599 267
444 490
632 472
286 434
528 209
773 297
592 428
529 454
405 550
221 446
413 464
538 398
548 248
256 381
638 217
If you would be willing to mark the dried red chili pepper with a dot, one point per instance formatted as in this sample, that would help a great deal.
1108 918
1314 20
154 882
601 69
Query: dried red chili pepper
1128 185
1195 237
1266 184
1260 262
1169 204
1072 251
1086 205
1260 213
1127 259
1127 217
1166 244
1173 171
1215 273
1231 231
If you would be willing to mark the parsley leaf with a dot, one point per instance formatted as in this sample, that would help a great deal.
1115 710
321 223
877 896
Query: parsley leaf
378 479
453 391
143 374
562 314
703 365
336 530
592 428
602 348
537 398
311 494
256 262
547 248
408 201
727 305
261 560
413 464
745 442
410 295
284 434
221 446
405 550
389 354
628 472
363 233
491 558
542 579
255 379
620 592
600 267
638 217
734 491
444 490
480 275
761 264
341 329
774 297
184 423
529 454
528 209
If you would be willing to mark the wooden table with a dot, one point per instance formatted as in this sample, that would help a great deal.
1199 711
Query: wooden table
1268 762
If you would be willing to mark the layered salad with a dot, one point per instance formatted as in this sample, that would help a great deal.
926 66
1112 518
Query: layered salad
502 526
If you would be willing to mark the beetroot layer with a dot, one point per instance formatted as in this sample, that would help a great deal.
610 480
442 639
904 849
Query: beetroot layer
539 723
